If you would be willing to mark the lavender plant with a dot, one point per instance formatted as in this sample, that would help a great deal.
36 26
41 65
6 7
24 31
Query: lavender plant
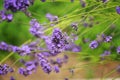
87 30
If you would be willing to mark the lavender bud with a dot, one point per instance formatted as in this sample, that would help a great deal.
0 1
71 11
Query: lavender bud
12 78
93 44
56 69
118 49
118 9
9 17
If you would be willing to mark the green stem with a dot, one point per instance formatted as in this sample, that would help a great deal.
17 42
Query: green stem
107 75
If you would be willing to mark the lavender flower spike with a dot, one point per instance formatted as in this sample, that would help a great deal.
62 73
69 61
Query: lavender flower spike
118 9
118 49
93 44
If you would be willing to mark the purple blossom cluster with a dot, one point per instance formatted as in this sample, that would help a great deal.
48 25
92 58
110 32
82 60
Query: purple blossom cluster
5 69
30 68
17 5
74 26
83 3
94 44
43 62
36 29
57 42
106 53
59 61
12 78
100 38
14 6
4 16
118 49
118 9
104 1
52 18
106 38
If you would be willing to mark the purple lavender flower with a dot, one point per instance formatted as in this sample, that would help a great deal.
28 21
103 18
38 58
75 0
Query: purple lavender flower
12 78
56 69
66 57
46 54
22 61
106 53
85 24
4 69
51 17
74 26
72 47
85 40
24 50
30 66
3 46
11 70
118 9
104 1
9 17
118 49
23 71
93 44
36 29
43 62
15 5
108 38
56 43
59 61
83 3
43 0
76 48
2 15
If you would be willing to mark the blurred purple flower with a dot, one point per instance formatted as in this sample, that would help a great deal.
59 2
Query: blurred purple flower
83 3
15 5
43 62
118 9
12 78
43 0
3 46
93 44
106 53
56 43
56 69
51 17
74 26
107 38
72 47
4 69
118 49
9 17
36 29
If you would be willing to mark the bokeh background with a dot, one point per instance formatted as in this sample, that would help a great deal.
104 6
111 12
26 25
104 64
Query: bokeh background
87 61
